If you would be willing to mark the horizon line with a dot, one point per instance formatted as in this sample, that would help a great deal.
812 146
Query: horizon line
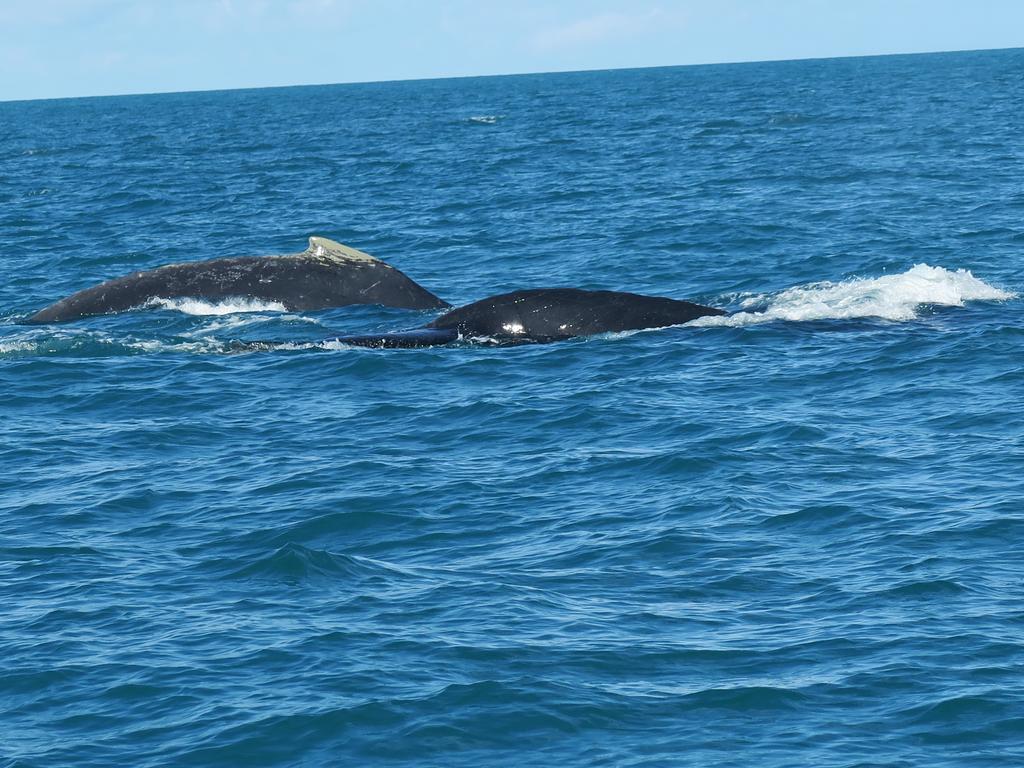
738 62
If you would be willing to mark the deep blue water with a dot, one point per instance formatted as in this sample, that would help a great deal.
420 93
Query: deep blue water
791 538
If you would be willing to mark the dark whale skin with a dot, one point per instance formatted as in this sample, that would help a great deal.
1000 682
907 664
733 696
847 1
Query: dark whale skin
327 274
545 314
540 315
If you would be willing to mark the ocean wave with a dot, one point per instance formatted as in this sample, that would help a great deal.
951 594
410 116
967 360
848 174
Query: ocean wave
693 545
98 344
17 347
232 322
200 346
294 562
890 297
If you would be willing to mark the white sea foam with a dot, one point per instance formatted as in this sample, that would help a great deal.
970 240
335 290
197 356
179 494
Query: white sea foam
333 345
485 119
230 323
891 297
151 346
13 347
227 307
102 344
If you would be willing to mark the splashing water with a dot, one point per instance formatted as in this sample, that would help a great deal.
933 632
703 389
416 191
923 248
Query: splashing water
891 297
226 307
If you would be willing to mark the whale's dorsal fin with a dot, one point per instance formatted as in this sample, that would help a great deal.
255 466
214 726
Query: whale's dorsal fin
324 248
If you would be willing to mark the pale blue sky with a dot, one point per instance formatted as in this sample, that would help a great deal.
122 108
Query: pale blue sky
51 48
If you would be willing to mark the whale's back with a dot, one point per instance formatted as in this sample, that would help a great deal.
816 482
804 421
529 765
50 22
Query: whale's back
327 274
553 313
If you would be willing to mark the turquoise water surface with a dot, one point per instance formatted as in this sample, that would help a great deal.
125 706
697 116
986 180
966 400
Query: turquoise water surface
788 537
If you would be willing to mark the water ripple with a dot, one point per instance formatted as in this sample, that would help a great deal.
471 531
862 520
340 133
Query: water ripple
790 536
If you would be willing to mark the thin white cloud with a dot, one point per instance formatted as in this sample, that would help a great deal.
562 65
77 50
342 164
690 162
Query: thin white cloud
601 28
224 14
321 11
104 61
55 13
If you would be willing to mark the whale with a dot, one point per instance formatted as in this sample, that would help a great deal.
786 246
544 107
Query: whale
541 315
327 274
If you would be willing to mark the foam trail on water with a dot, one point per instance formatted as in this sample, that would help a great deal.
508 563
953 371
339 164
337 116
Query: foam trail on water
102 344
227 323
226 307
11 347
892 297
206 346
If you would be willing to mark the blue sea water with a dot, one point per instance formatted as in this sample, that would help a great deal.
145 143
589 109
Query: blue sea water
790 537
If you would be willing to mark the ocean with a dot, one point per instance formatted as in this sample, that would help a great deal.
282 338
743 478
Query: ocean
787 537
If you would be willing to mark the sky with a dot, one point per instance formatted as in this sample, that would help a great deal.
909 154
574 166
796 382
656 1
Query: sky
57 48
